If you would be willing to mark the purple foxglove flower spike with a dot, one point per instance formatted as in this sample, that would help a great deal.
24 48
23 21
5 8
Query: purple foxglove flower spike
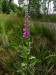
26 30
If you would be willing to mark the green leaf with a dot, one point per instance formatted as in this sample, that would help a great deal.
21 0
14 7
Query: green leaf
33 60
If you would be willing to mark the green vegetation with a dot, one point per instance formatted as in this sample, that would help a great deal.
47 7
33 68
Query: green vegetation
46 18
35 52
14 56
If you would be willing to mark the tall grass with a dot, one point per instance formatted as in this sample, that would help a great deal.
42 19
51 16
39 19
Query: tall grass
12 26
43 47
46 18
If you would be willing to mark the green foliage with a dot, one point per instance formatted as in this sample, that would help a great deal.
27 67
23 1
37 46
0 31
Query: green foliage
20 11
10 27
45 56
36 56
50 18
34 7
46 18
27 62
5 7
13 7
20 2
47 33
37 29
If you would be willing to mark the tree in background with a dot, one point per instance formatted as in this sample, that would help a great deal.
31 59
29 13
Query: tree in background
34 7
20 8
5 6
8 5
54 3
1 5
13 7
43 6
20 2
48 5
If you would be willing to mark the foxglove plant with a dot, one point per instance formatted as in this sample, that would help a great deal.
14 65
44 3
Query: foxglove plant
26 54
27 62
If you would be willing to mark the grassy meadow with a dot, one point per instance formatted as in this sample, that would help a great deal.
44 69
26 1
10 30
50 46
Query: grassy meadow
16 58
